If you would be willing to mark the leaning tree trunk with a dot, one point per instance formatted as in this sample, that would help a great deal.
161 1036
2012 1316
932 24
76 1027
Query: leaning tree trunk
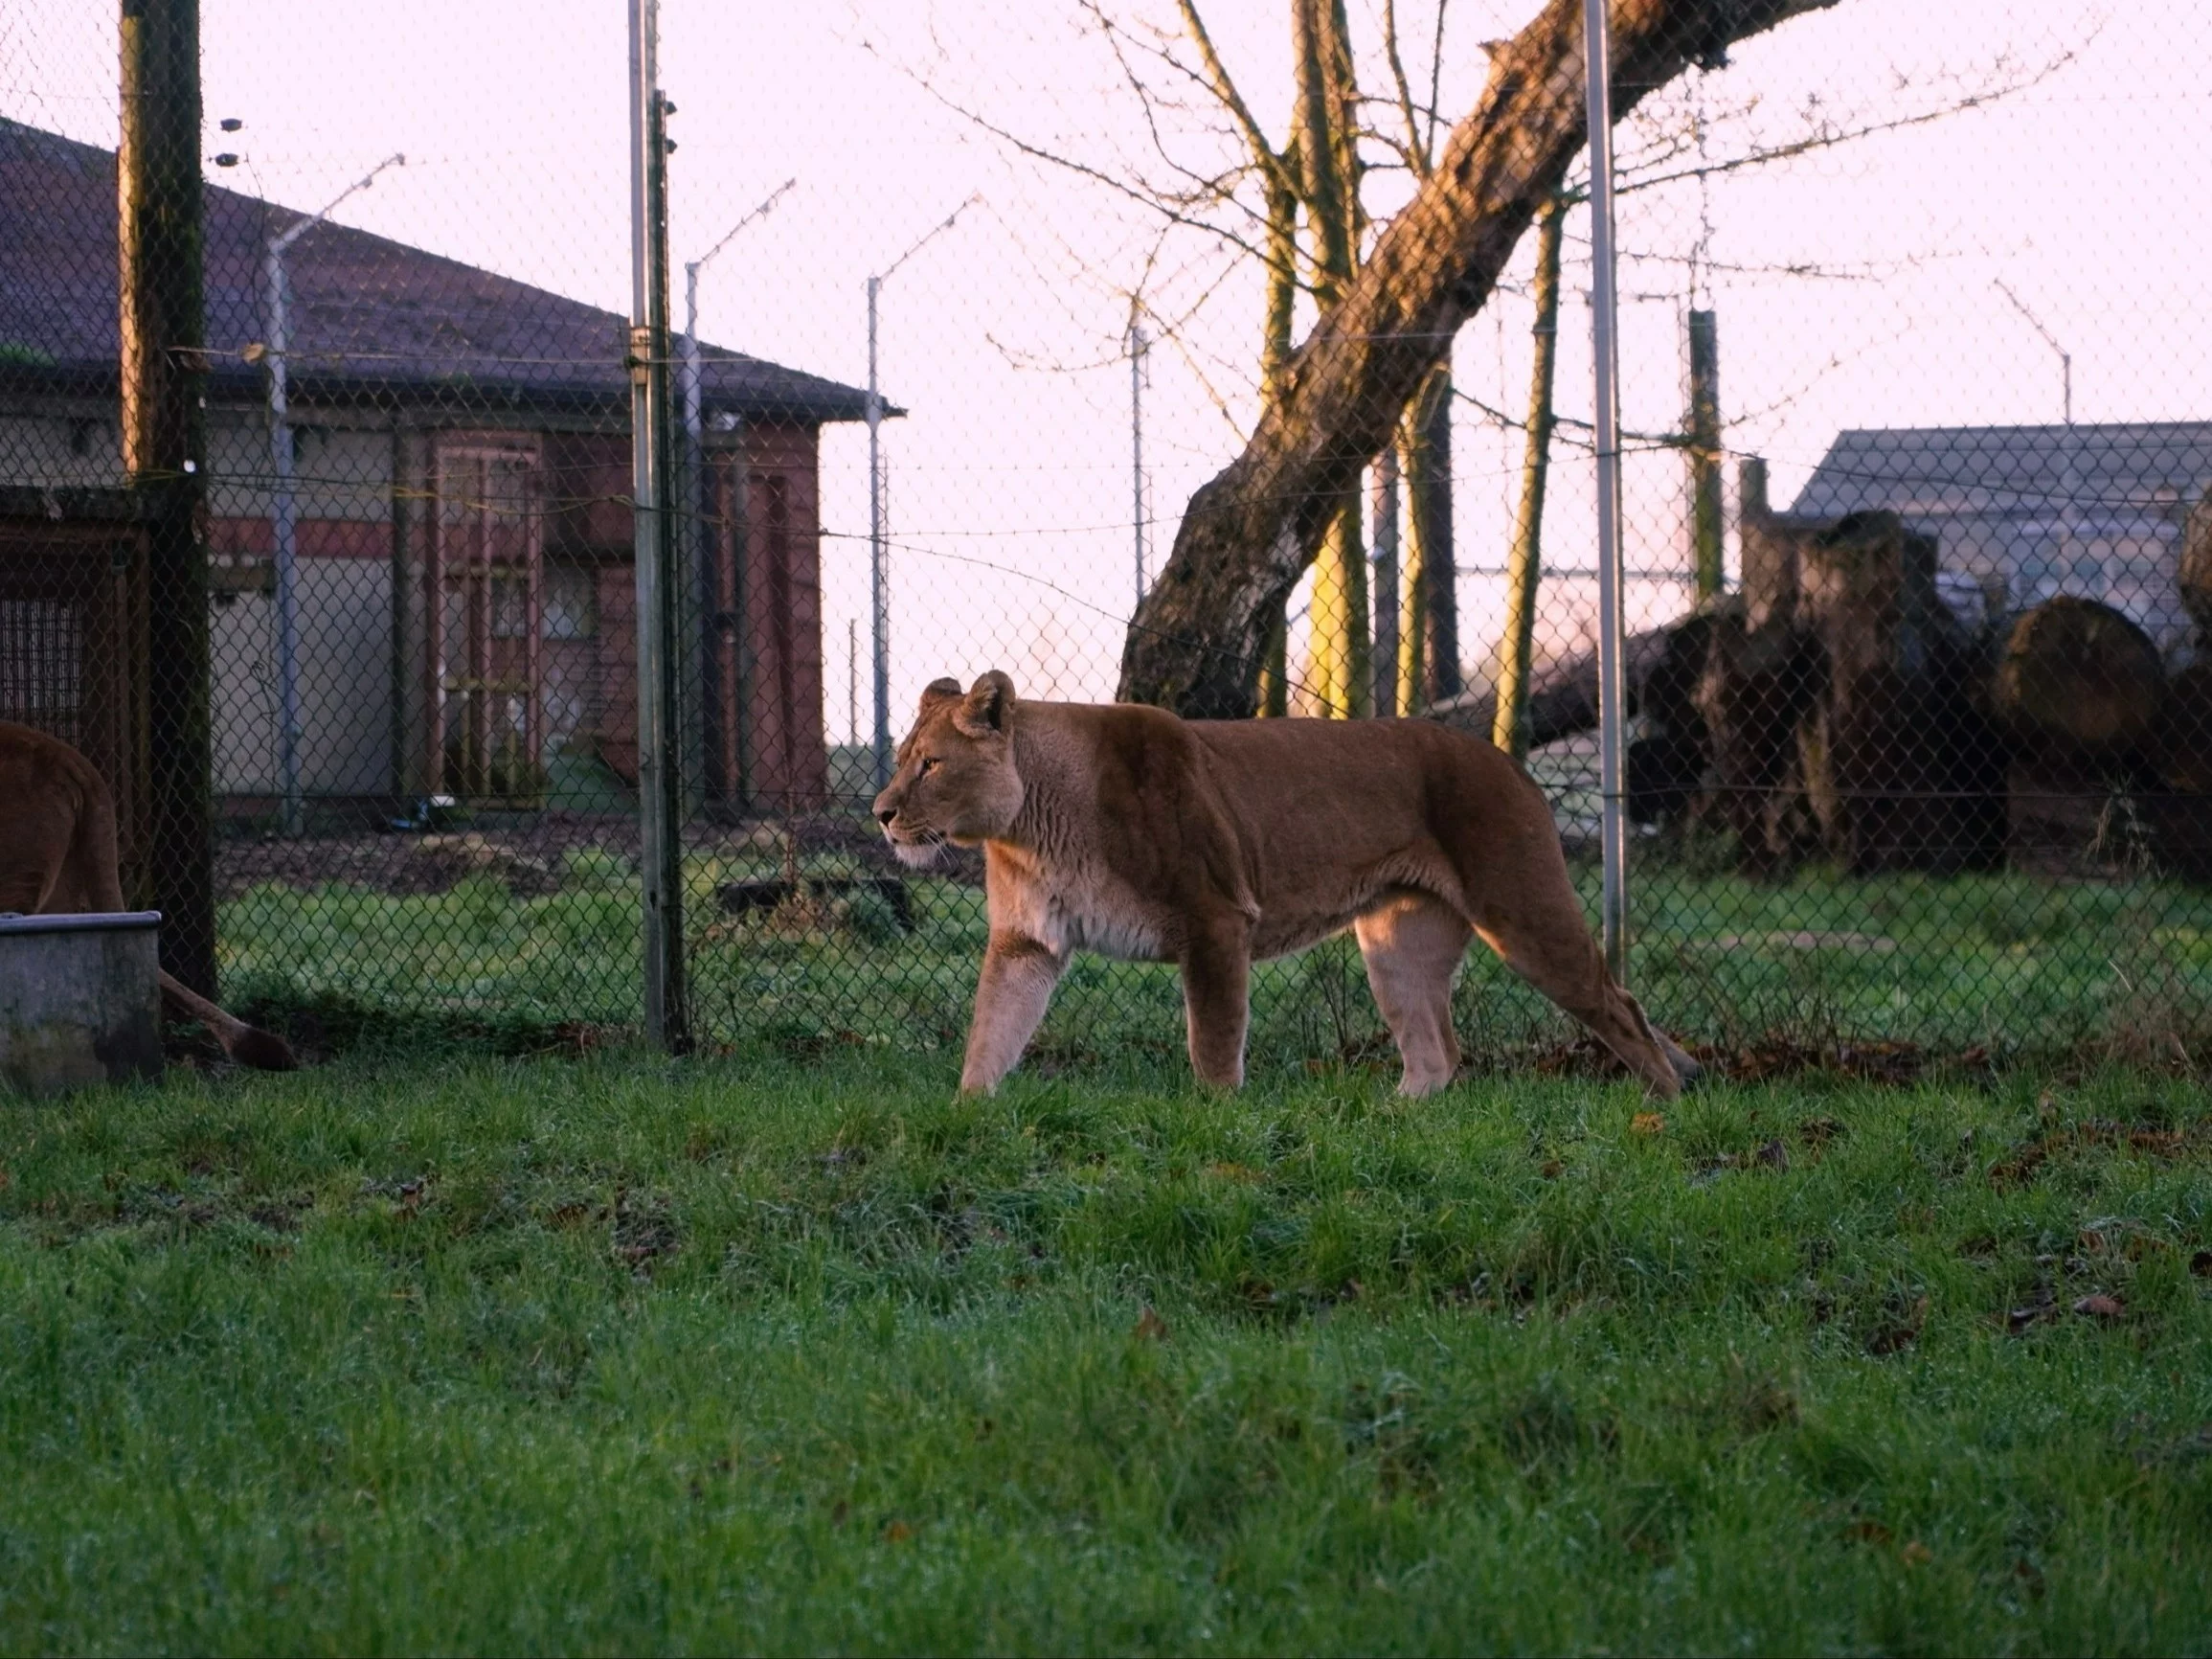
1247 535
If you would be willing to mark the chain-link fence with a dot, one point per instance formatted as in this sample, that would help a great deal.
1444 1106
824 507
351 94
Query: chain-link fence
966 312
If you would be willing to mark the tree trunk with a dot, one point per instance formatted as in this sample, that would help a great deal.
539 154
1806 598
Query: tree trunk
1195 643
2179 809
1340 675
1844 706
1901 767
2077 676
1429 615
1563 697
1525 561
2197 563
2076 689
1704 452
164 433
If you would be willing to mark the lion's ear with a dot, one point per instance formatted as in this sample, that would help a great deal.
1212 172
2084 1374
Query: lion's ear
938 692
988 707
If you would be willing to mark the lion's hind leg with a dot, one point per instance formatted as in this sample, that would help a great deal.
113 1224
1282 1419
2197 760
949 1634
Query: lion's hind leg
1413 944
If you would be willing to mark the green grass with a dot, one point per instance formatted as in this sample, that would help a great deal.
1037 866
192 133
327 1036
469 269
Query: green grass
2011 964
459 1353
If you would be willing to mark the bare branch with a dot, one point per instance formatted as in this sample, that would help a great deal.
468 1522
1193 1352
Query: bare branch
1264 155
1414 150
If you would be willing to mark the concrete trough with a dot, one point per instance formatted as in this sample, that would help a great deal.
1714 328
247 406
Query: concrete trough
80 1000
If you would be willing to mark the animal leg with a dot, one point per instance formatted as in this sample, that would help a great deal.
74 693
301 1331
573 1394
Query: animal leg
1216 966
247 1044
1540 933
1011 995
37 857
1411 944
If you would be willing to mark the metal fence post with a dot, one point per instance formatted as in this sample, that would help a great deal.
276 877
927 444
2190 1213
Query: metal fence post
878 579
1611 698
660 861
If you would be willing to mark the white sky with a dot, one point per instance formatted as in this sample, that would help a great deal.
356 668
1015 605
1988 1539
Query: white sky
1010 482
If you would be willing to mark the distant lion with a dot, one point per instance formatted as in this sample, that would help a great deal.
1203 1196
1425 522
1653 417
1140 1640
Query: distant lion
1126 830
57 855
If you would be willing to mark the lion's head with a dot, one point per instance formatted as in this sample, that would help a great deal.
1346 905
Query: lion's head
957 780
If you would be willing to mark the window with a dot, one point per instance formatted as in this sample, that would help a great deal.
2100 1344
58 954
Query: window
571 602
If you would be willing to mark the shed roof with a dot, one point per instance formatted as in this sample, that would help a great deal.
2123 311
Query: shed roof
2006 471
369 318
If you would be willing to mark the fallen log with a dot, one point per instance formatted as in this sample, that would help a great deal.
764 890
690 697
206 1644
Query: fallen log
1563 696
2076 676
2075 687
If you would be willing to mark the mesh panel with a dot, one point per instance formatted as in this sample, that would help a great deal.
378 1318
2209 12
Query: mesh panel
1916 537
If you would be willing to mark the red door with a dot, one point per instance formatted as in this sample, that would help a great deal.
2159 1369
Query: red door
487 598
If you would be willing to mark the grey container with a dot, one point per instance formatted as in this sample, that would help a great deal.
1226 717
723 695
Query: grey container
79 1000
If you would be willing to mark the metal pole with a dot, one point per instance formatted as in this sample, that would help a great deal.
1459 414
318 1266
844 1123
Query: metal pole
284 515
2066 457
714 746
660 862
879 578
1611 696
1385 598
1137 447
283 532
706 763
879 596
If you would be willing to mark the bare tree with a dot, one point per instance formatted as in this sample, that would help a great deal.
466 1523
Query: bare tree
1297 209
1249 534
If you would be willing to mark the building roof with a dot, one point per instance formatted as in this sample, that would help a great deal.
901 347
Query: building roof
369 318
2121 470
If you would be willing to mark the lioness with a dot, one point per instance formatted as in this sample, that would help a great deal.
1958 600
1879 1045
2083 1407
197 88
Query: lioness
1125 830
57 855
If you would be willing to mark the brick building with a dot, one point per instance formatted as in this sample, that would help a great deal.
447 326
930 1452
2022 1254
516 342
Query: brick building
464 611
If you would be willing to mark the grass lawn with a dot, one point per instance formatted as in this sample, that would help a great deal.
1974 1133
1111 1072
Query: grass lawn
451 1352
2010 964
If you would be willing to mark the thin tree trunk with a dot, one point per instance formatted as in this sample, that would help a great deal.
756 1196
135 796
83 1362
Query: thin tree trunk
1429 502
1274 355
164 431
1525 561
1248 534
1339 674
1429 626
